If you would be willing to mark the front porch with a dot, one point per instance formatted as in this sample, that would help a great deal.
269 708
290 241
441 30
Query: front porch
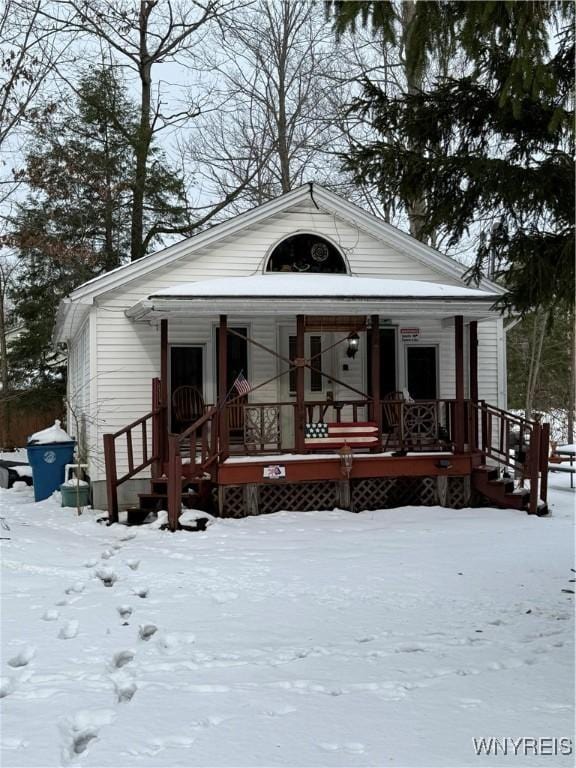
372 451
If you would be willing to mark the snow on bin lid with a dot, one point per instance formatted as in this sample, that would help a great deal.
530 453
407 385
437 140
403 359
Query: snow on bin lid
53 434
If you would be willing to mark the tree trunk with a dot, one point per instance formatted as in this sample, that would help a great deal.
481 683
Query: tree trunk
416 205
538 333
282 125
143 138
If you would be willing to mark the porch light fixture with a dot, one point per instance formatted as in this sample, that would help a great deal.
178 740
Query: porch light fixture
353 344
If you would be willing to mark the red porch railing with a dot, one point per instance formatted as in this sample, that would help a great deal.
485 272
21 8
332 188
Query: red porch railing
442 424
515 442
149 436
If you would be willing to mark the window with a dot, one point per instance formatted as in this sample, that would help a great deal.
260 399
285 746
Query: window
306 253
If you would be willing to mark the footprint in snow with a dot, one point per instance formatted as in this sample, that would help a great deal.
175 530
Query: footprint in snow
141 592
91 563
69 629
146 631
125 611
82 728
51 614
7 686
133 564
124 686
116 545
23 657
107 576
121 658
78 586
410 648
107 554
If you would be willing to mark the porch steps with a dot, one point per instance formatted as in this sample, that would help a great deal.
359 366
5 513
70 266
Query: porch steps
195 495
500 490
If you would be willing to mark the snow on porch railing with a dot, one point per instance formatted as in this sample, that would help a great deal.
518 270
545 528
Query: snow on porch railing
143 439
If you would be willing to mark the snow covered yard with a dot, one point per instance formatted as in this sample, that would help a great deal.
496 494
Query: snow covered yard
295 639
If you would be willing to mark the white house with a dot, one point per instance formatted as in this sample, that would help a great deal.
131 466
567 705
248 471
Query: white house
292 286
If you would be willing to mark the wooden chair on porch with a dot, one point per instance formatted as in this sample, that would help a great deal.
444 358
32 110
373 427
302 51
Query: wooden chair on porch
392 422
235 413
188 406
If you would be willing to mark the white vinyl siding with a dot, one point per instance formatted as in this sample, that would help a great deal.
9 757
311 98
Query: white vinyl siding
79 381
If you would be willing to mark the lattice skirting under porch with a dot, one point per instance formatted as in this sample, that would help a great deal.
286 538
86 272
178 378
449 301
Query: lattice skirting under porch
241 501
365 494
387 492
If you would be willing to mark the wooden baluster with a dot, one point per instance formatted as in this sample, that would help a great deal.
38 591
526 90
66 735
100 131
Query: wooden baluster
484 428
129 449
111 478
192 450
204 442
144 443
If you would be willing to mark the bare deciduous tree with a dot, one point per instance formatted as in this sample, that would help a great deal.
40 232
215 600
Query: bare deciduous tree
276 122
143 34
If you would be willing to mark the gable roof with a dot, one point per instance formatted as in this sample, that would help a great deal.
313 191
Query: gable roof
323 198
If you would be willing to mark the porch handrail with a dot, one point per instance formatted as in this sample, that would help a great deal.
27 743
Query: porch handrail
532 445
148 458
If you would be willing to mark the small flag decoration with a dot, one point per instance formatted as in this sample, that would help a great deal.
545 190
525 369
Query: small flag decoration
241 384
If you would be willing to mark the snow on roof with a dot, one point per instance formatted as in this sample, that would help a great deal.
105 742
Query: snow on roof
281 284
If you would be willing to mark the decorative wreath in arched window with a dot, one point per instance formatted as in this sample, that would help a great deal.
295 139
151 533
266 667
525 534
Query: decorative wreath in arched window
306 253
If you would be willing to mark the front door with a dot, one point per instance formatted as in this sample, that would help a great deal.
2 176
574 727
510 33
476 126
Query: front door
316 386
421 372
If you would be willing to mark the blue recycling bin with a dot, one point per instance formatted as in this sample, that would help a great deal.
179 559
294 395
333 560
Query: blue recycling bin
48 462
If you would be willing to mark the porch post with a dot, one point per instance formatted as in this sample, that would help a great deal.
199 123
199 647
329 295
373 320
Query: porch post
473 383
300 414
375 375
223 384
473 352
459 364
164 397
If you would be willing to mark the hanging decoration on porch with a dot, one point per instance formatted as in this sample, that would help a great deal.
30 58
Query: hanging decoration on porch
346 460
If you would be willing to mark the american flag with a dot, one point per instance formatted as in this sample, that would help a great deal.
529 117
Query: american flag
241 384
360 434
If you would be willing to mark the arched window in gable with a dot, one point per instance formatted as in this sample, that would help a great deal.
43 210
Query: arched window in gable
306 253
